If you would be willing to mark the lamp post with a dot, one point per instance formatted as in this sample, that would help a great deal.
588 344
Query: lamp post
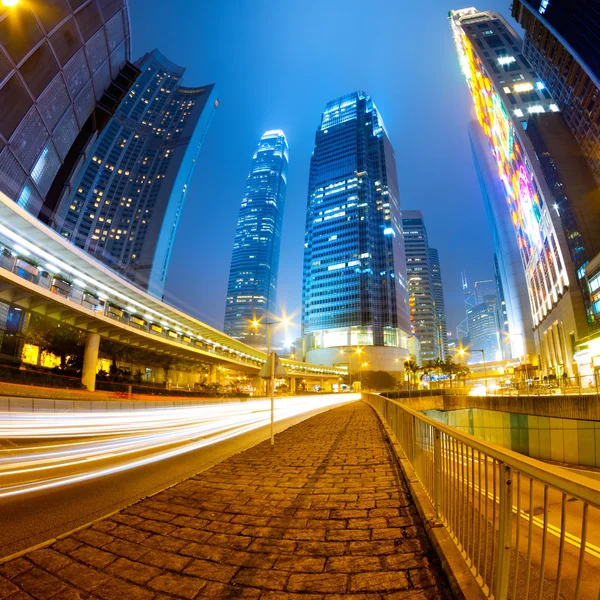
349 352
255 324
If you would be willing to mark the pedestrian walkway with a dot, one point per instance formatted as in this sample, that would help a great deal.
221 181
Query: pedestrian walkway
323 515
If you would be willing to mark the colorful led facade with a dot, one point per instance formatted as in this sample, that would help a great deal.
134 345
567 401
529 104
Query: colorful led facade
539 248
252 287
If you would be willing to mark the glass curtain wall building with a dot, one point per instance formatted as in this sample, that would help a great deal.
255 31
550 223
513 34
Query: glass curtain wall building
252 287
423 317
506 91
354 284
63 69
437 290
126 200
562 43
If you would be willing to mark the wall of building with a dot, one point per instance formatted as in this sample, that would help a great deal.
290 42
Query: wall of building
569 441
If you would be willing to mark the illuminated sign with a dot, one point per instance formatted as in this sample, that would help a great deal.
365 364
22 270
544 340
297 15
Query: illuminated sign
540 254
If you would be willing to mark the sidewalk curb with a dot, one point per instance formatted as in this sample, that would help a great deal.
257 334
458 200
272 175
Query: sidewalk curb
463 584
46 543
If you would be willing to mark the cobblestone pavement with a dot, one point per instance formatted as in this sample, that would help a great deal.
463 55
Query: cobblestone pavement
323 515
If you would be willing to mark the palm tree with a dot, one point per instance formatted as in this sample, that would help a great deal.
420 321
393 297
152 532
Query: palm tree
412 368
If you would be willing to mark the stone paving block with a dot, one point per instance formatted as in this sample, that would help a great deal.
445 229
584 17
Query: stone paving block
49 560
15 567
133 571
212 571
182 586
83 577
38 583
7 588
267 579
92 556
317 582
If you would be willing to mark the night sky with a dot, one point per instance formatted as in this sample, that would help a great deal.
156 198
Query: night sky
276 64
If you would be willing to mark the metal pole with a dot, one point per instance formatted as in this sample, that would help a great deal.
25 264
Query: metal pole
504 534
272 383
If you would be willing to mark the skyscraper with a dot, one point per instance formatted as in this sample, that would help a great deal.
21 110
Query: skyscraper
562 43
125 202
63 69
423 317
437 290
354 285
252 288
505 91
483 330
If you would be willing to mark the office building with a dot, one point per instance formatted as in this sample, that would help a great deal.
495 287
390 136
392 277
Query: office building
519 339
506 92
483 330
562 44
423 314
354 284
437 290
63 69
125 202
252 287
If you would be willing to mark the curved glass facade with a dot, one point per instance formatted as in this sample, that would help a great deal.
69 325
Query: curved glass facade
354 284
125 203
57 60
252 288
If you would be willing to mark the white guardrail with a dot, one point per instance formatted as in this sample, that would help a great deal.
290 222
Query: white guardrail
526 529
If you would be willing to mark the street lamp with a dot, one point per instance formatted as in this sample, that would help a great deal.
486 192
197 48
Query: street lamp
463 352
255 324
349 352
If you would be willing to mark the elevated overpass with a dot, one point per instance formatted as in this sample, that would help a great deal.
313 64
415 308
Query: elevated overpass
44 273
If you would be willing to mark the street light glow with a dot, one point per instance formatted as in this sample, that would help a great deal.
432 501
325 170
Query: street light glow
10 2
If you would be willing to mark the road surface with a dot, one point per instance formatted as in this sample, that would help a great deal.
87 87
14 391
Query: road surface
59 471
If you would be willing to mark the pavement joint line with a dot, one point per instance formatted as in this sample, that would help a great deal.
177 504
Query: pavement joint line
46 543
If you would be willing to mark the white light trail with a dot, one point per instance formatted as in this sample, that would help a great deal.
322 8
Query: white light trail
92 444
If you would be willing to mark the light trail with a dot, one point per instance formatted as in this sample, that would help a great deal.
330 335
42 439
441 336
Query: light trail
92 444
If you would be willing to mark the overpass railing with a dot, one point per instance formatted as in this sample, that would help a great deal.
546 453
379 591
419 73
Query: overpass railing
525 528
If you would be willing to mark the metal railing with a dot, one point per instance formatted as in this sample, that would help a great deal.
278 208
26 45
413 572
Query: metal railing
526 529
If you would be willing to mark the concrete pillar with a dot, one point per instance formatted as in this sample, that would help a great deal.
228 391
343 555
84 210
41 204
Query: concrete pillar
327 386
292 384
90 358
212 374
322 385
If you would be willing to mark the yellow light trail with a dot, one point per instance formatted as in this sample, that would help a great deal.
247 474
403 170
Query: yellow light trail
92 444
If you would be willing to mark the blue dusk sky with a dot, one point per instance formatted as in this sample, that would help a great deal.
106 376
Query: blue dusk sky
276 64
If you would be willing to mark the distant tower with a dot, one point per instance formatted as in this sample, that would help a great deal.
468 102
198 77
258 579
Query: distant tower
423 315
125 202
354 285
437 291
252 288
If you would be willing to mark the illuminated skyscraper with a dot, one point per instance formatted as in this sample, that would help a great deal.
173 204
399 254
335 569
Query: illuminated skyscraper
252 288
125 202
354 285
562 43
423 317
63 70
506 93
437 290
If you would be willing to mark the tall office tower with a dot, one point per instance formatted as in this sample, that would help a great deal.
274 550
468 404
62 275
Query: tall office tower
562 43
483 330
505 90
63 70
520 342
437 290
354 285
126 200
502 313
252 288
423 316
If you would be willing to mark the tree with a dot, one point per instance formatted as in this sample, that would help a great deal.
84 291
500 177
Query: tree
60 339
412 368
378 380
